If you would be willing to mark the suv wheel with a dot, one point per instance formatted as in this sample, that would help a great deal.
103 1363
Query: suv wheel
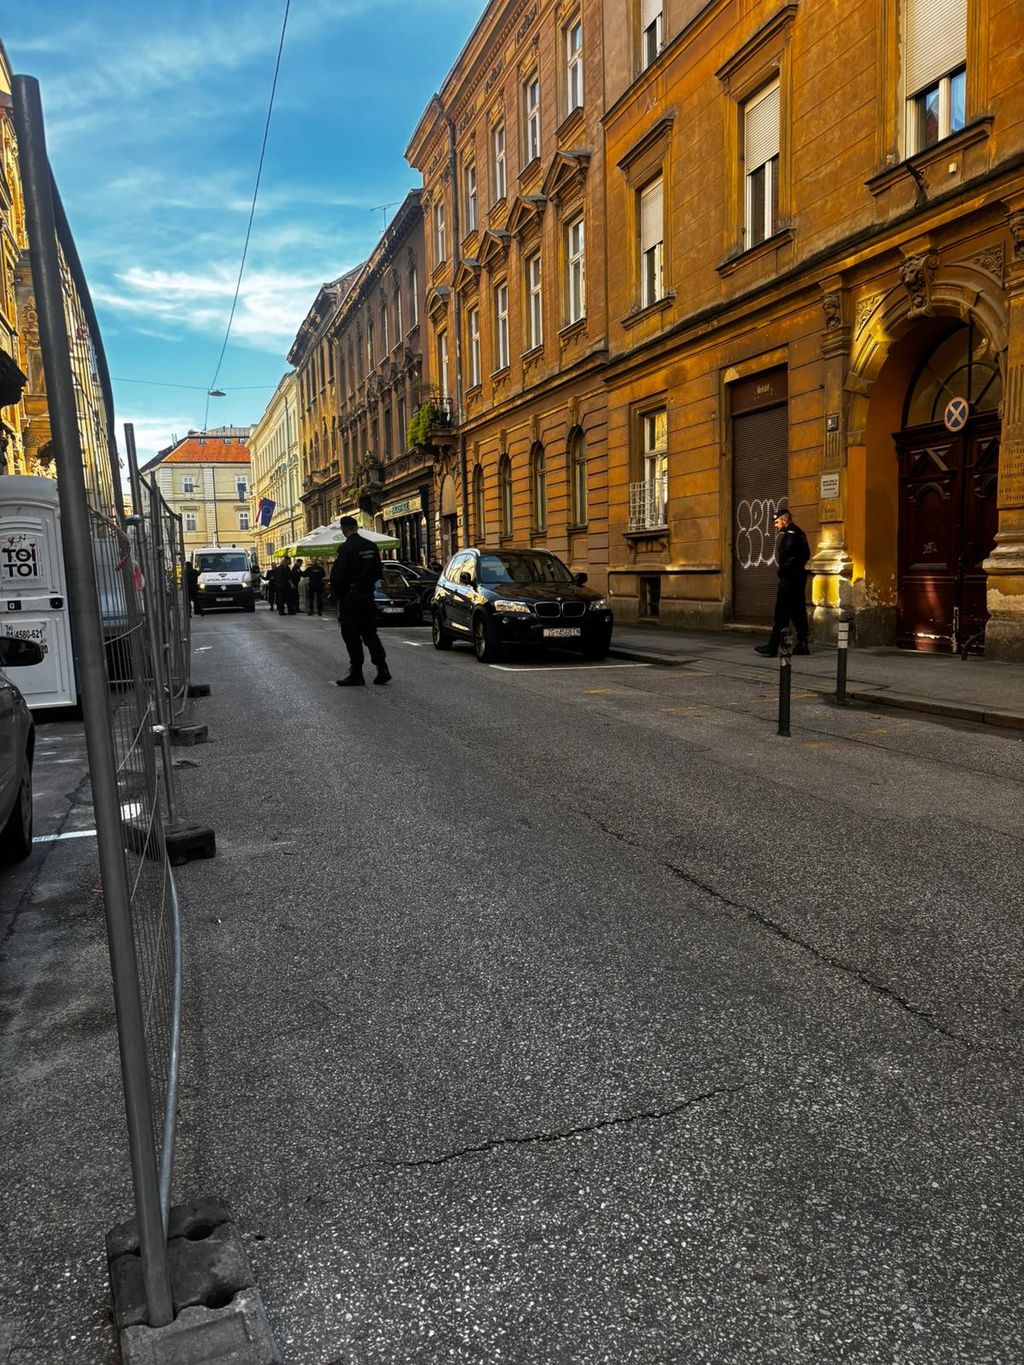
440 637
485 647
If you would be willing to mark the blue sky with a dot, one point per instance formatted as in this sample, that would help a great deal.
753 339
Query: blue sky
154 120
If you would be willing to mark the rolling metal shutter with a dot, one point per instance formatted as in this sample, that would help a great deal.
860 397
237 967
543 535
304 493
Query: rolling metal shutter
934 41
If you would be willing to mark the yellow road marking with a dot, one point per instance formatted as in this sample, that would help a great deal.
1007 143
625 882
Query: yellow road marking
597 692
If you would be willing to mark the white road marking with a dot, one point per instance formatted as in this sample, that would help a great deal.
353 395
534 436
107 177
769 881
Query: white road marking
202 649
561 668
68 834
415 644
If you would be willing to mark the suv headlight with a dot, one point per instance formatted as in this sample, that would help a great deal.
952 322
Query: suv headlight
599 604
509 604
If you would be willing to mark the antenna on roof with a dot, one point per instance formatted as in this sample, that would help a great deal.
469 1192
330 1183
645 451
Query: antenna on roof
383 208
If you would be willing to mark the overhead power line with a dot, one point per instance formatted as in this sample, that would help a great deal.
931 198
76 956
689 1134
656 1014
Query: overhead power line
199 388
252 211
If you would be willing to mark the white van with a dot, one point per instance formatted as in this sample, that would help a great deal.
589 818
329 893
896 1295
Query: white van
222 579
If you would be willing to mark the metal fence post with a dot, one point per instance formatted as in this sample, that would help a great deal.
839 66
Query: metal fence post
89 641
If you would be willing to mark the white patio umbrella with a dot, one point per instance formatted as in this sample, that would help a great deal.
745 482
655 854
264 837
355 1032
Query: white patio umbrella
325 540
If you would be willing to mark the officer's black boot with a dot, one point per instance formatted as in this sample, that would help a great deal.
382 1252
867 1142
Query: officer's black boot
353 680
770 650
383 676
802 647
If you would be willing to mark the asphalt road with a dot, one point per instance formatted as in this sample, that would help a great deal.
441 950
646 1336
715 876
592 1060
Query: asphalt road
563 1013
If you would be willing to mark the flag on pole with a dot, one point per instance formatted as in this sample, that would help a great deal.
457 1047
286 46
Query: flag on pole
265 511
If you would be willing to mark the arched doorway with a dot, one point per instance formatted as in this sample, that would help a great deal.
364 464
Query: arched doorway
449 518
948 451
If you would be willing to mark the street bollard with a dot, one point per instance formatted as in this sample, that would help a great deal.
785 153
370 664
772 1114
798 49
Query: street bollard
785 679
841 659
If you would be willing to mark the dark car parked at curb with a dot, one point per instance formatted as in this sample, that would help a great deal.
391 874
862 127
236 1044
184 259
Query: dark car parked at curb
17 750
495 598
424 581
394 601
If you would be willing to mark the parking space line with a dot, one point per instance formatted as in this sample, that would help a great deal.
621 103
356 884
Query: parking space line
560 668
68 834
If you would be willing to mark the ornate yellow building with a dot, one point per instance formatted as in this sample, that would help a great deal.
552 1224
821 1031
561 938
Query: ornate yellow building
276 471
16 330
206 477
724 254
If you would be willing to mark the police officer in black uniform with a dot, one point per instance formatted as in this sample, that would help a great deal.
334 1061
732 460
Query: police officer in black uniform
353 575
791 554
314 576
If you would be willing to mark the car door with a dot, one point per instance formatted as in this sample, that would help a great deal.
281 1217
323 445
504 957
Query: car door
458 605
10 742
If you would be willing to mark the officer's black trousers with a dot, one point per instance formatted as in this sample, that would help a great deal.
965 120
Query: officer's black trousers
315 597
358 627
791 605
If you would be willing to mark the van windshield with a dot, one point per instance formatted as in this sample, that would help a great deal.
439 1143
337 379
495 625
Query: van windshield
225 561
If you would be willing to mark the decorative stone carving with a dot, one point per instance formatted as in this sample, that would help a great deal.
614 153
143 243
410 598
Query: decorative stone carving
832 307
991 260
1017 233
864 310
917 274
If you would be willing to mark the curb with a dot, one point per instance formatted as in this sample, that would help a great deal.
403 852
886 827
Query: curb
1006 720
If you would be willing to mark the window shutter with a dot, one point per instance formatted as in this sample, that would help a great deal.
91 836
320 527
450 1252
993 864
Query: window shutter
652 229
649 11
934 41
761 129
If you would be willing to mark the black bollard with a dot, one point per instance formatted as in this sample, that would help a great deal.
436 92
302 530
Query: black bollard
841 658
785 679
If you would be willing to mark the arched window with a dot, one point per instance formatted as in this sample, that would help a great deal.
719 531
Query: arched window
539 487
962 366
478 505
578 476
505 494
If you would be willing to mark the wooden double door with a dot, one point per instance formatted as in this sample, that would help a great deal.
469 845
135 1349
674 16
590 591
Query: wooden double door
947 528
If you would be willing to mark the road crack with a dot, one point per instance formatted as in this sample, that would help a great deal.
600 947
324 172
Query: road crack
599 1125
764 921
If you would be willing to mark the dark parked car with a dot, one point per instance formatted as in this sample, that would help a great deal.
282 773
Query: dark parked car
423 580
395 601
496 598
17 749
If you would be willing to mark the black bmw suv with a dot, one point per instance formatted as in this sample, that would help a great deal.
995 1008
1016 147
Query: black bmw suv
503 597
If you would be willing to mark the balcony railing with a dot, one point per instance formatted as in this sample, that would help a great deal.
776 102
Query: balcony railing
648 504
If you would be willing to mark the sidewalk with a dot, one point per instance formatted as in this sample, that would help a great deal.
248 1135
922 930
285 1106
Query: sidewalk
974 689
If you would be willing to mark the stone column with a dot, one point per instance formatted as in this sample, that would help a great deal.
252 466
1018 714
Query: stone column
832 564
1004 634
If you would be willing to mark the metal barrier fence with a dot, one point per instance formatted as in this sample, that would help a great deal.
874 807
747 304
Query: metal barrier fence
126 611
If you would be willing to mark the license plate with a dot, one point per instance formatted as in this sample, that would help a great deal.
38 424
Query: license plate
225 599
393 608
561 632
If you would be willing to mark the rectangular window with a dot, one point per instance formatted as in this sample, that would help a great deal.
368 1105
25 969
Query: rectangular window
414 296
403 425
535 301
471 215
474 346
384 338
190 521
442 363
499 179
243 520
934 72
574 67
761 165
501 325
243 488
398 316
648 496
188 483
652 243
388 433
440 247
576 279
651 31
531 119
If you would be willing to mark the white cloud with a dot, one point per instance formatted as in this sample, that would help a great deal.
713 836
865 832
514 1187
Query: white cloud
271 303
152 434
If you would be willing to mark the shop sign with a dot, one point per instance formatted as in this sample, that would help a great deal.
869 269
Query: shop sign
407 507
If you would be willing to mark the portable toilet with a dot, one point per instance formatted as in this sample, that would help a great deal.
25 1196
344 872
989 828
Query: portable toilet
33 587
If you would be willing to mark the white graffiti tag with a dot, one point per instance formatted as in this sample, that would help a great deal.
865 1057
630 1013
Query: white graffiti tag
755 532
